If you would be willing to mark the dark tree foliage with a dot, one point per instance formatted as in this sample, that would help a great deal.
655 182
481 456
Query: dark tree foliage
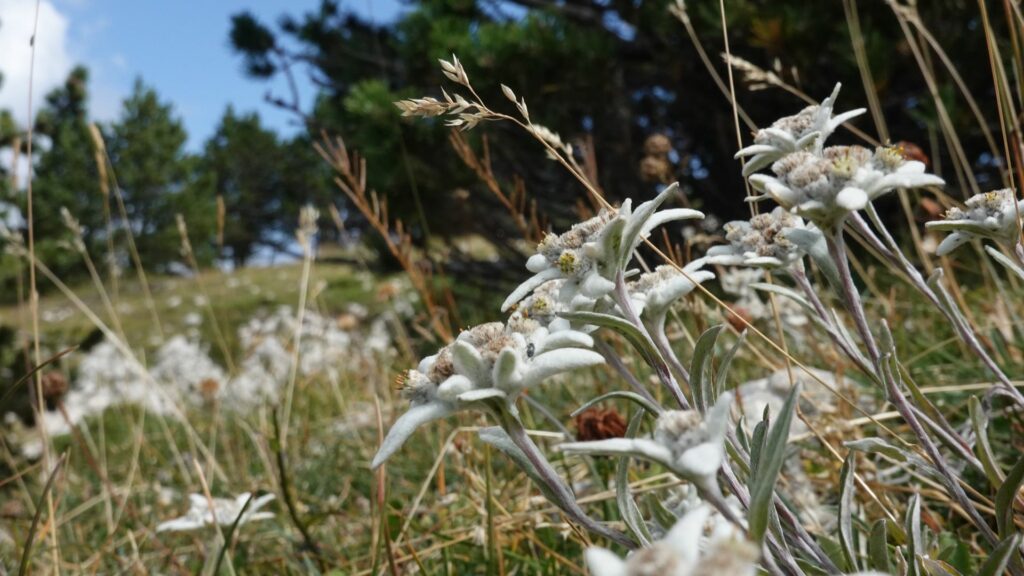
66 176
263 182
158 180
616 71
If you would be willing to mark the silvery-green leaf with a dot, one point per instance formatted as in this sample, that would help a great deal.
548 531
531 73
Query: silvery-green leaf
557 361
506 374
878 548
664 216
453 386
1001 557
468 362
721 377
915 542
951 242
565 339
537 263
623 497
812 241
646 404
623 327
846 477
1002 259
702 353
1005 496
754 149
762 490
482 394
595 286
756 163
851 199
979 422
406 424
638 447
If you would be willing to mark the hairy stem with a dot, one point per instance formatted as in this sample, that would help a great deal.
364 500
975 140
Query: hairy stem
621 297
852 301
566 500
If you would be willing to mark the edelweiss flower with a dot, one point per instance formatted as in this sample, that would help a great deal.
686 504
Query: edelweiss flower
488 365
540 308
225 512
654 293
591 253
684 442
684 551
991 215
761 242
842 179
792 133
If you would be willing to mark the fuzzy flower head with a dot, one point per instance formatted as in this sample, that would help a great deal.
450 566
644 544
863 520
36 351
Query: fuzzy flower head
654 293
825 187
690 445
991 215
762 241
225 511
690 548
590 255
811 126
487 366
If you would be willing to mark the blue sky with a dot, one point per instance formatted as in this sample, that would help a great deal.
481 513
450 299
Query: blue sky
179 47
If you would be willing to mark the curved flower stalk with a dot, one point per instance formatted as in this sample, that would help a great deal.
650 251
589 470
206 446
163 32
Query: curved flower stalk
487 366
685 551
653 293
762 242
690 446
991 215
825 187
225 512
590 255
811 126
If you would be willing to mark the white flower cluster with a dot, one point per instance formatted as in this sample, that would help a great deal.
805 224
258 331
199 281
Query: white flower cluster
490 365
186 375
590 255
825 184
748 302
760 242
809 127
992 215
654 293
225 511
492 362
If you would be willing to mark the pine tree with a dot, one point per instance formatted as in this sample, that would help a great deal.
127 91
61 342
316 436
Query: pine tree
262 181
66 176
158 179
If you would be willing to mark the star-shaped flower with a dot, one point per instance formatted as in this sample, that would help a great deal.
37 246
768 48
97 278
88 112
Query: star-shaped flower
225 512
689 445
591 253
991 215
654 293
690 548
813 124
487 366
761 242
842 179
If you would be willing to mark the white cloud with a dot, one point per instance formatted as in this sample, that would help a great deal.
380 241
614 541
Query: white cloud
53 60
